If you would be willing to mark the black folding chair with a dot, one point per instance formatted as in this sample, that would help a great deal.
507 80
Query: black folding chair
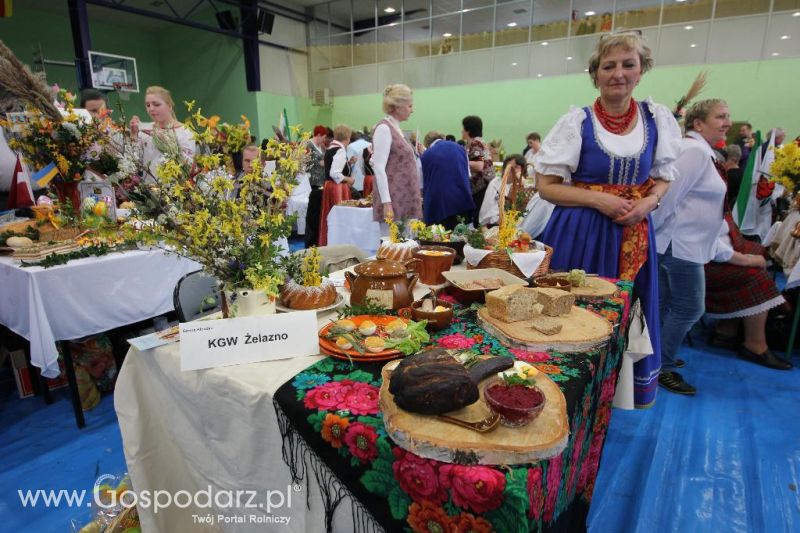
196 295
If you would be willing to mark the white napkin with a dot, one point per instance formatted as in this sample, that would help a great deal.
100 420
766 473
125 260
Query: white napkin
528 262
474 255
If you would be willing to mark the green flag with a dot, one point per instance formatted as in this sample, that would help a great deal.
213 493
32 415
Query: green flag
747 180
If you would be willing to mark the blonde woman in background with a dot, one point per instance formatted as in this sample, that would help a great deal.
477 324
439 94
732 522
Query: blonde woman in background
397 187
160 107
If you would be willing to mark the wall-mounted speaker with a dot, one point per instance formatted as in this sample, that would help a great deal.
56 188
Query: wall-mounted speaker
265 22
226 21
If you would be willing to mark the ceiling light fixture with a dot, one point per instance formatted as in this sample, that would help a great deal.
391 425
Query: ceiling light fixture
692 45
511 24
545 43
514 64
590 13
389 10
775 54
447 34
539 75
796 14
784 37
569 58
687 28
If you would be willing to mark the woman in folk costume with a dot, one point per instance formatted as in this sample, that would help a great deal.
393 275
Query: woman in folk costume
315 166
337 177
397 185
161 108
606 167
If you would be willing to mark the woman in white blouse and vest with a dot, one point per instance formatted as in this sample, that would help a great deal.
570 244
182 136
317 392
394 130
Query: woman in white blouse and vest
337 177
397 186
606 168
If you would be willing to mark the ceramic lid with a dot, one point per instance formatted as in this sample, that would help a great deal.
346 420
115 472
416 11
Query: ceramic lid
380 268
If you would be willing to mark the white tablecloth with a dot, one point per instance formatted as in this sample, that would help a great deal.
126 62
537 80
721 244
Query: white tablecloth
213 428
354 225
298 202
85 296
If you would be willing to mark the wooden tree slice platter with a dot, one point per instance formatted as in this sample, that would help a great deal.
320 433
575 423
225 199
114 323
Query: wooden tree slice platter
581 331
595 288
431 438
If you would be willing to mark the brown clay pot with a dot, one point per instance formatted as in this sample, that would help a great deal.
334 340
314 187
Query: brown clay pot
433 260
386 282
436 321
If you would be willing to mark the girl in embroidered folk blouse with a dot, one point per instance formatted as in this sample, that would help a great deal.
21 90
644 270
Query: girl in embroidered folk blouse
606 168
161 108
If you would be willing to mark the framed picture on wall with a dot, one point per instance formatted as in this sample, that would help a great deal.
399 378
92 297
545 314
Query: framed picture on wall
111 72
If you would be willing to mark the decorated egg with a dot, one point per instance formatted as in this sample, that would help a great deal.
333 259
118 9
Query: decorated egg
343 343
100 209
374 344
367 328
44 200
346 325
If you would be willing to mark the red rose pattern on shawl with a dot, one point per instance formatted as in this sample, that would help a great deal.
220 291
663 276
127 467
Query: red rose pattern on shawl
478 488
442 496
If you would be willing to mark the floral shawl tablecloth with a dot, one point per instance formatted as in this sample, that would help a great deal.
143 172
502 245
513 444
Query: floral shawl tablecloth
332 427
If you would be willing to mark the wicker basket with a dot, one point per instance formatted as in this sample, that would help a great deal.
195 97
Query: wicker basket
48 233
501 259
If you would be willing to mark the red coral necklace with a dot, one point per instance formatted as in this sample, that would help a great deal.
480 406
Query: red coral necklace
615 124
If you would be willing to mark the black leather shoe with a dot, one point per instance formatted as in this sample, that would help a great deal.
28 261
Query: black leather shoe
767 359
673 382
680 363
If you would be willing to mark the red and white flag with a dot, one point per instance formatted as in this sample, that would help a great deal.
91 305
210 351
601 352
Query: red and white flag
21 193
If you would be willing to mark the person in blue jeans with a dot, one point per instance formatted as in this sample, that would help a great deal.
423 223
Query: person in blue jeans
688 230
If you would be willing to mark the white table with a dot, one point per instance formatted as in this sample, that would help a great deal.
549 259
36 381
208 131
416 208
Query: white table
354 225
298 202
212 428
85 296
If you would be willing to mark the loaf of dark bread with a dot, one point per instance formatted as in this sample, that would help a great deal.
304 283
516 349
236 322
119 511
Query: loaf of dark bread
433 382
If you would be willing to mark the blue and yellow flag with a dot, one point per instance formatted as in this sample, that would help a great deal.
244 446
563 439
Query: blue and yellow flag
46 175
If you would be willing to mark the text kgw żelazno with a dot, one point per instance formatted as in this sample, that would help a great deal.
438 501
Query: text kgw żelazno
222 342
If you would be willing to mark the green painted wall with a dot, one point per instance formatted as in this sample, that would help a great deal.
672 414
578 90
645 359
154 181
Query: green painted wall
208 68
29 28
760 92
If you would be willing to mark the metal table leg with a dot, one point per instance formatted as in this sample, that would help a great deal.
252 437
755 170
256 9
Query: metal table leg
38 381
793 332
73 384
